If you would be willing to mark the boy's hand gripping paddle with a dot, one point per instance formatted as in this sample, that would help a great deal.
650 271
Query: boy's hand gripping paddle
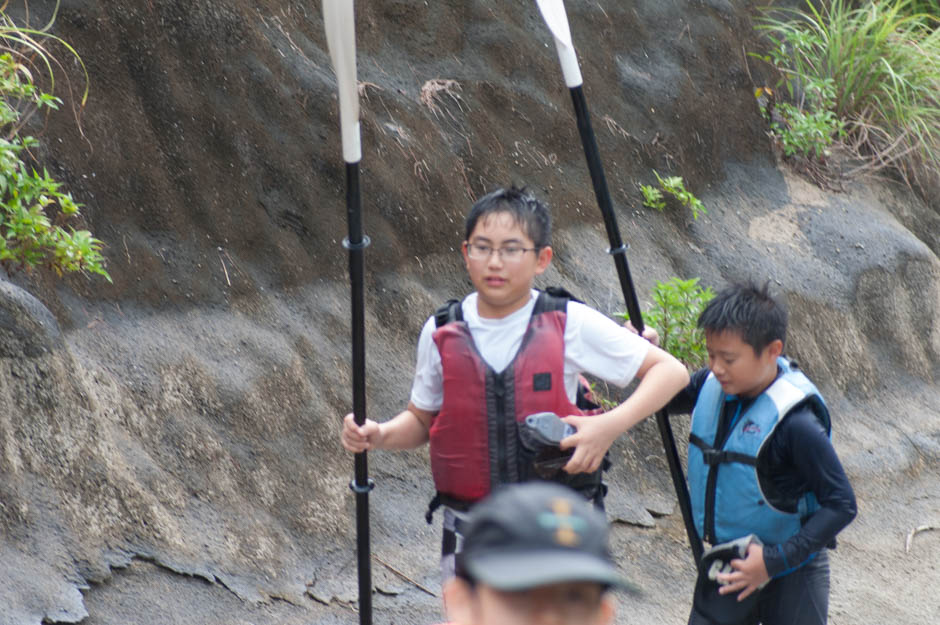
339 21
553 12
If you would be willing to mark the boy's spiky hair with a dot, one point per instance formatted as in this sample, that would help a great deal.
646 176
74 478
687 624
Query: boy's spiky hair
749 311
532 215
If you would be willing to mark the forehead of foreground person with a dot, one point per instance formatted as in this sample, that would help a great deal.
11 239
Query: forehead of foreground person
536 534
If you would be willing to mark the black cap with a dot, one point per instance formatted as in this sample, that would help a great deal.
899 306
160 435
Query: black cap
535 534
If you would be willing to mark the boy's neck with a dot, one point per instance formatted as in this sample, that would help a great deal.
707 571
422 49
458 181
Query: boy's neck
772 377
487 310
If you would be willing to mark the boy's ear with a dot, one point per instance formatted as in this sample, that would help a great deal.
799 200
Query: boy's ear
463 251
544 258
774 348
608 609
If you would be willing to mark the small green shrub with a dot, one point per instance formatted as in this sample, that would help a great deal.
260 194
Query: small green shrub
675 187
652 197
674 314
806 129
868 70
33 207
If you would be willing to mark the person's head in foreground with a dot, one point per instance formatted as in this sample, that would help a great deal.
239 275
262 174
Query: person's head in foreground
534 553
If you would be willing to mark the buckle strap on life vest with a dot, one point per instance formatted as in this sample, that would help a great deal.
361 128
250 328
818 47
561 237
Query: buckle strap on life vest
447 313
712 456
440 499
449 537
433 505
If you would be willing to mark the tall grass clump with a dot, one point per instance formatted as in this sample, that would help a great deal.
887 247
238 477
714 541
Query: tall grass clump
929 7
35 210
874 66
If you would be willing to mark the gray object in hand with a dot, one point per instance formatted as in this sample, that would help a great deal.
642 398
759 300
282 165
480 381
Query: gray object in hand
546 429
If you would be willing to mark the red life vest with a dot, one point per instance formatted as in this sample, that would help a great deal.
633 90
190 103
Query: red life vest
474 439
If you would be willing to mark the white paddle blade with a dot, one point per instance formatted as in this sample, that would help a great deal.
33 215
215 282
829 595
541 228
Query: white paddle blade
340 23
553 12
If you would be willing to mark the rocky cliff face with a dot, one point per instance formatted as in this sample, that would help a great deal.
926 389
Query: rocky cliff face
169 452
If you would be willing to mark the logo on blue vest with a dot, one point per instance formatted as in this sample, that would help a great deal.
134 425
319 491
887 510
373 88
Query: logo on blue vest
750 427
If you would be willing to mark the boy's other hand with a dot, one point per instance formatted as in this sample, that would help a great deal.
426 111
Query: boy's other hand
358 438
749 575
593 438
649 333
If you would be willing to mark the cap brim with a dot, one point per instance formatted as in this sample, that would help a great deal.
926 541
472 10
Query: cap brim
510 571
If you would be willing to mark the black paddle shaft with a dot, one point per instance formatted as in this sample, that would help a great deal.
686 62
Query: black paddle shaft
361 485
619 251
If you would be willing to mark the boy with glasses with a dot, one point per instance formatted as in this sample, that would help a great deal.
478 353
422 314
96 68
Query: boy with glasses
508 351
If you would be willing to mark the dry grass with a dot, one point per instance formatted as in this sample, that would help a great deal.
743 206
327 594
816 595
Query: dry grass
434 95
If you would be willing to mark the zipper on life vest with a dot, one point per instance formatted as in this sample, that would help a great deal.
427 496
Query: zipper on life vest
499 391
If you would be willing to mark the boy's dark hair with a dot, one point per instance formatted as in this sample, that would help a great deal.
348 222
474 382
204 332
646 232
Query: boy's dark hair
748 310
532 215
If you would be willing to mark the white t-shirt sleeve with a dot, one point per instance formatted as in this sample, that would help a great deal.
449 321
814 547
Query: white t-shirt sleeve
599 346
427 390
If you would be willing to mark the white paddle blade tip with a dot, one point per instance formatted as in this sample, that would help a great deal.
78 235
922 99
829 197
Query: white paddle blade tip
340 24
553 12
352 143
569 65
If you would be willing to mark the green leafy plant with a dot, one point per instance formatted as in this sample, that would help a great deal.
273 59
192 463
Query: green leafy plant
652 197
867 70
603 397
674 314
675 187
806 129
34 208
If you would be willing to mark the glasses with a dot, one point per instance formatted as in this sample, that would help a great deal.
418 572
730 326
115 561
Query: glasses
508 254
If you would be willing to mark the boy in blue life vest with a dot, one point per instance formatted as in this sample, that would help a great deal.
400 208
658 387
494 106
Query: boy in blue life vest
534 553
762 471
507 351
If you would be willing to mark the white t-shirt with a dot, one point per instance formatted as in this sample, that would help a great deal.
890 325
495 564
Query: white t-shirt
594 344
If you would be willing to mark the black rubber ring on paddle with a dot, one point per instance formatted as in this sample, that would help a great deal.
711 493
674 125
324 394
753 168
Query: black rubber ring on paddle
361 490
366 241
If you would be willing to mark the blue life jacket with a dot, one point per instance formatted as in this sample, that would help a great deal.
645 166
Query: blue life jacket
727 499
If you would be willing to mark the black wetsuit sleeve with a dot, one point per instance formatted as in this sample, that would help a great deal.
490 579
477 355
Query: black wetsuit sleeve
685 399
801 459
